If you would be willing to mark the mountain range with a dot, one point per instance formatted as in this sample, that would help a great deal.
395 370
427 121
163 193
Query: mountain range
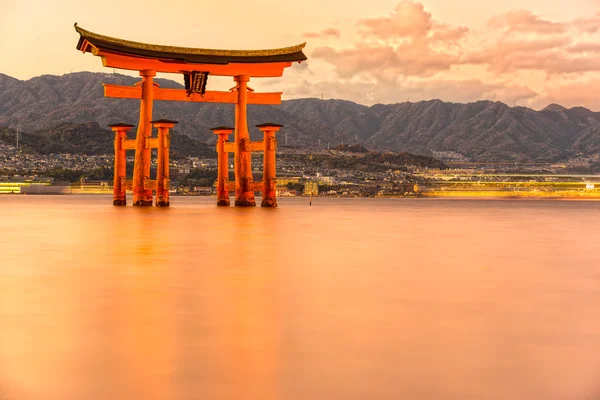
480 131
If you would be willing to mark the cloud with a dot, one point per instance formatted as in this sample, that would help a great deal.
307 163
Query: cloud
582 93
521 21
364 57
525 22
552 55
387 63
447 34
529 42
404 50
325 33
410 43
588 24
409 19
584 47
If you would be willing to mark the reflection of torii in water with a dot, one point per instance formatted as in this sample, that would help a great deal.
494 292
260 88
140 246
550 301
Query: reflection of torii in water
196 64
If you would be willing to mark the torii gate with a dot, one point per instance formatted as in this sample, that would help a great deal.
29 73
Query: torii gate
196 65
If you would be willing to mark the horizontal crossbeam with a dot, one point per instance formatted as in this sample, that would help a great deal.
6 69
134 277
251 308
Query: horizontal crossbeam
128 144
255 146
211 96
229 147
151 143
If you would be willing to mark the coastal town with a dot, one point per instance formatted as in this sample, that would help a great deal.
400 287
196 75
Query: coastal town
299 173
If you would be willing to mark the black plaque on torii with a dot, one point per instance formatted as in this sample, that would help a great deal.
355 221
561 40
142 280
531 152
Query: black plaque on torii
195 82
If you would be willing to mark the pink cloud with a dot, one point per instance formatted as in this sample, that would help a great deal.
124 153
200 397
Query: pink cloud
530 42
584 48
430 46
363 57
409 19
553 55
582 93
588 24
325 33
505 54
384 62
449 34
522 21
410 45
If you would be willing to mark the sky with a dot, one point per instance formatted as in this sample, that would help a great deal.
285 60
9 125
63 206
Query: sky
521 52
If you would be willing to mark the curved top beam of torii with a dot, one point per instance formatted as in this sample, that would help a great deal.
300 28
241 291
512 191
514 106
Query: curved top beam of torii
126 54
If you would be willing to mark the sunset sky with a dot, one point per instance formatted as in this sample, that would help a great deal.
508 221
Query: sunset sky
527 52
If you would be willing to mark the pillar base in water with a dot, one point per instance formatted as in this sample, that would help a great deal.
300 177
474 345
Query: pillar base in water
162 204
223 203
143 203
245 203
119 202
269 203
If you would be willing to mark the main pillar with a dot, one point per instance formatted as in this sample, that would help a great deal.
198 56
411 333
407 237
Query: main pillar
222 164
162 164
244 194
269 197
120 130
142 191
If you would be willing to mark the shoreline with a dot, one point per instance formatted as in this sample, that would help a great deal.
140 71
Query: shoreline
445 196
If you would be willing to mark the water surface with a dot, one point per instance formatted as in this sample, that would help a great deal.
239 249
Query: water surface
344 299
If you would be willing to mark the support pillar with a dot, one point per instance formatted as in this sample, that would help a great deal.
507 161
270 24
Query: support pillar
142 192
244 195
222 162
120 130
162 164
269 195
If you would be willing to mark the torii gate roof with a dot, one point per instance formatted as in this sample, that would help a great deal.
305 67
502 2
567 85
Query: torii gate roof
126 54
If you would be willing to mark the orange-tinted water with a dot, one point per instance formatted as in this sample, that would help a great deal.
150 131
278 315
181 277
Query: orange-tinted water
347 299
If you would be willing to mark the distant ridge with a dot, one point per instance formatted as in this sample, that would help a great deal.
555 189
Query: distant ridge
480 131
554 108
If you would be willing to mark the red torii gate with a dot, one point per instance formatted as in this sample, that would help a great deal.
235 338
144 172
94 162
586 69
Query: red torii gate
196 65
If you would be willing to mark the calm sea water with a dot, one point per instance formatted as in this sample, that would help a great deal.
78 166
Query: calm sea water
347 299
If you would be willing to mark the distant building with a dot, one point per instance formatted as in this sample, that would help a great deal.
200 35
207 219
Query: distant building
203 190
284 181
327 180
283 191
311 188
